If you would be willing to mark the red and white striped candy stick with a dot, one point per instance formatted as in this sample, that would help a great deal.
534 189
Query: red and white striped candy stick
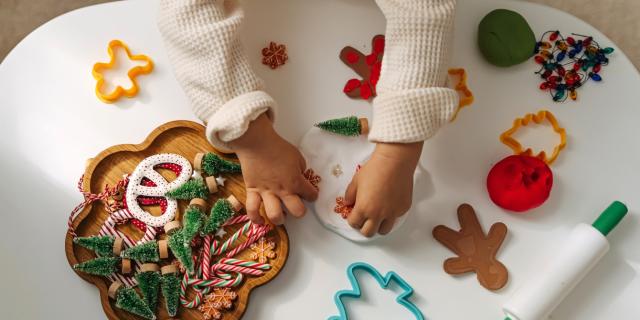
238 269
261 231
217 282
227 244
183 293
206 257
245 263
236 220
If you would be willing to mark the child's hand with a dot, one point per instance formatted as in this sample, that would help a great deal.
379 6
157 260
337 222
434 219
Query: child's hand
273 173
382 190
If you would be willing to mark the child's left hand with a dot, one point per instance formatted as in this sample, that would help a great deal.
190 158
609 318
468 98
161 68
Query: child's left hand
382 190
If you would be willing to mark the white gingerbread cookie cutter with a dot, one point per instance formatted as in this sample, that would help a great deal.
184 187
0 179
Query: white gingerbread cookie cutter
146 170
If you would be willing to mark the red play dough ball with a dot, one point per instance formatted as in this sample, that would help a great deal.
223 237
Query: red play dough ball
520 183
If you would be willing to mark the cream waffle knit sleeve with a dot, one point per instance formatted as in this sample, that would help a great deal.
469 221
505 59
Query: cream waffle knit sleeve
413 102
203 44
202 41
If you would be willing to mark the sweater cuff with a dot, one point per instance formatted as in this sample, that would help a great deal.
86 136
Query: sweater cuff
232 120
411 115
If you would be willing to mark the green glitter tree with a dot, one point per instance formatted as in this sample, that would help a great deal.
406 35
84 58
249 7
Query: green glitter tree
128 300
192 222
221 212
145 252
349 126
101 266
102 246
149 284
181 250
213 165
170 284
194 188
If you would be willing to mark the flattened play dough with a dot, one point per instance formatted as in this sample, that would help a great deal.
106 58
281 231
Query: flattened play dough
324 151
505 38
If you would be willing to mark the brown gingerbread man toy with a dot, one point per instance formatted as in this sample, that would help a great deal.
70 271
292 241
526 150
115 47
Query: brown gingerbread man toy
476 251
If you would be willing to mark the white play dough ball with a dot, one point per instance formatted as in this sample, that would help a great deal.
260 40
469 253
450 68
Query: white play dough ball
323 151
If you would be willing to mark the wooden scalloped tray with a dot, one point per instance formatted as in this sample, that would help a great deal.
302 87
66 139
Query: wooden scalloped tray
185 138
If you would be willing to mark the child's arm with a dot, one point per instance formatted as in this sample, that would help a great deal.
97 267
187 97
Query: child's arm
412 104
202 40
203 44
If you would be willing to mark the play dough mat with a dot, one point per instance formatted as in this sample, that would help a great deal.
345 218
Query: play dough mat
598 164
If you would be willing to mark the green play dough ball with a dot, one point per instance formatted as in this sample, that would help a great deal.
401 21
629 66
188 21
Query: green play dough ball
505 38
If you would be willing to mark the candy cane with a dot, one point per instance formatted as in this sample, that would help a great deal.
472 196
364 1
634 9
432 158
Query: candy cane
183 294
238 269
109 229
206 257
217 282
245 263
261 231
227 244
235 220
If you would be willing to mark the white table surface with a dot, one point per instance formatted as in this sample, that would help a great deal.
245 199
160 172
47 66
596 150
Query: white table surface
51 122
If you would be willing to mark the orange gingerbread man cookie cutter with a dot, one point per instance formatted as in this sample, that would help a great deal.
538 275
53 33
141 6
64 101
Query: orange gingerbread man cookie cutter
466 96
538 118
134 72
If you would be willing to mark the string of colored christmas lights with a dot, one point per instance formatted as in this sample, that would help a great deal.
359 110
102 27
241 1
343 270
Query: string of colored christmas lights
568 63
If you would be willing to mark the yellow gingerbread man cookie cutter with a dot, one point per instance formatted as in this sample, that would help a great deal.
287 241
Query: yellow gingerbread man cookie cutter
119 91
542 115
466 96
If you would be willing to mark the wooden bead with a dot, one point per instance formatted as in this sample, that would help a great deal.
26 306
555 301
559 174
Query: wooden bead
126 266
163 249
113 289
149 267
171 226
197 162
170 268
117 246
200 203
212 184
364 126
235 204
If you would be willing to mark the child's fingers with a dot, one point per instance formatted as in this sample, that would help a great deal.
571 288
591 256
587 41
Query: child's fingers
253 207
370 228
356 219
273 208
350 194
386 226
294 205
306 190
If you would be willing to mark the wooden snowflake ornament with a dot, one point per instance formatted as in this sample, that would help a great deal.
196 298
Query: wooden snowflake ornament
313 178
220 299
341 208
209 312
263 250
275 55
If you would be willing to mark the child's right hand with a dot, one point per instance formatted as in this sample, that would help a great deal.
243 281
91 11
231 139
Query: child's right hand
273 173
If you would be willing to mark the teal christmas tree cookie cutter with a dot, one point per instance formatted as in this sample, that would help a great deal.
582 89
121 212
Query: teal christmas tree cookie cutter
383 281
